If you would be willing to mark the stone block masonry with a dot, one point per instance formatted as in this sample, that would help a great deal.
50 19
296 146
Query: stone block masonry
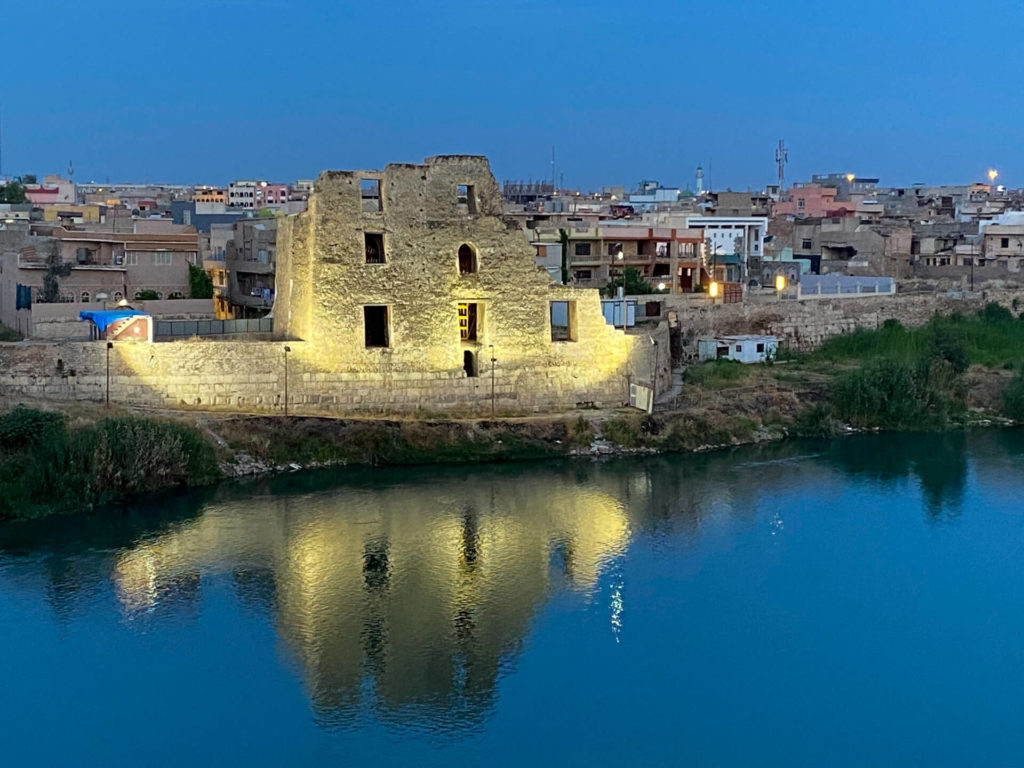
249 376
805 325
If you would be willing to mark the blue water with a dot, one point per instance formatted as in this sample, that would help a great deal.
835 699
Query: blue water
859 602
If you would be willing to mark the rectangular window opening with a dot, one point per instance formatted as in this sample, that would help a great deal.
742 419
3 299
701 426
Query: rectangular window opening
465 198
582 249
369 191
374 242
470 317
563 320
376 323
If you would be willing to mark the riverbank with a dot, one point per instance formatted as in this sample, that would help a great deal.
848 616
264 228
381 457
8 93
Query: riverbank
952 373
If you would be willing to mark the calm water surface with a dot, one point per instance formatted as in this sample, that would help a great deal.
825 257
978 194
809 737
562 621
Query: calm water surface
859 602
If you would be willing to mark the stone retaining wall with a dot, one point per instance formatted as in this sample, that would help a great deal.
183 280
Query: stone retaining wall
249 376
805 325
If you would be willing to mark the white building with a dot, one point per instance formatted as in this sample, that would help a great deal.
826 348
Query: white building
739 237
242 194
744 348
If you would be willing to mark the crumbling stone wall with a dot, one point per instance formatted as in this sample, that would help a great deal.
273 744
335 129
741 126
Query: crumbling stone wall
805 325
324 282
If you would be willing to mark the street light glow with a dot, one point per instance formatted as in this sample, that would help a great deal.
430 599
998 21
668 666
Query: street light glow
992 174
849 178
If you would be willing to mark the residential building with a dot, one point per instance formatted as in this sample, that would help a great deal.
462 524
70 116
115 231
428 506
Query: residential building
256 194
848 186
53 190
210 195
73 214
1003 244
814 200
738 204
251 256
733 245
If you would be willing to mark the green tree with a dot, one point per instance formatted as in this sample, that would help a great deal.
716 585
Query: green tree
28 178
55 269
200 284
13 192
633 282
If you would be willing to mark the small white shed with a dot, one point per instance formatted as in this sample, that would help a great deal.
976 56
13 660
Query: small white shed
744 348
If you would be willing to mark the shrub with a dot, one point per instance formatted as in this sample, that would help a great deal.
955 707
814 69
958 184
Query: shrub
816 421
200 284
47 468
893 394
995 313
23 427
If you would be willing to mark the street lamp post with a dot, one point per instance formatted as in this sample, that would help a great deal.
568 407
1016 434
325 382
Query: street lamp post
287 349
110 346
493 359
654 374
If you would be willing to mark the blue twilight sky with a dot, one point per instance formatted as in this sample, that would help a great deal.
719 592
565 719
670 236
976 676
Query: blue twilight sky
209 90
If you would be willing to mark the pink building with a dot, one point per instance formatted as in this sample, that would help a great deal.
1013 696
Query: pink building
813 200
271 194
53 190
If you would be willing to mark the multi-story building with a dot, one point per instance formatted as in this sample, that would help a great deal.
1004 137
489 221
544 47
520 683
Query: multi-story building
250 264
805 200
733 245
1003 244
52 191
669 259
256 194
210 195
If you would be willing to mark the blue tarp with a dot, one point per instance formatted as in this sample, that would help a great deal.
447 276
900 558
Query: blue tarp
105 317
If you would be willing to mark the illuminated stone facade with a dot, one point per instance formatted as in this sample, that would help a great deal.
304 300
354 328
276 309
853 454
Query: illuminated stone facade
411 277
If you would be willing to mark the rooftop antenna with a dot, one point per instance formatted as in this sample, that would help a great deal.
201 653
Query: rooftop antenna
782 157
71 169
553 168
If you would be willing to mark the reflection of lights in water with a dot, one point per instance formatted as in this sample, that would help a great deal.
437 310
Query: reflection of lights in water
617 602
775 524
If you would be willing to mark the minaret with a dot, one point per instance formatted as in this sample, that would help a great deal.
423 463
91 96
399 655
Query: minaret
700 181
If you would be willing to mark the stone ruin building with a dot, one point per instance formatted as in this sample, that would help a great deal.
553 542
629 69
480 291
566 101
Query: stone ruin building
405 283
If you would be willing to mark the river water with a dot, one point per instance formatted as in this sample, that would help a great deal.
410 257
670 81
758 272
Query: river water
859 602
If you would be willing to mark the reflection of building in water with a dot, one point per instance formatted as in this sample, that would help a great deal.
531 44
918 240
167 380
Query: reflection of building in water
418 593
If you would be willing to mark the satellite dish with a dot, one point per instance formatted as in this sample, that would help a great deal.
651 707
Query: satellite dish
101 297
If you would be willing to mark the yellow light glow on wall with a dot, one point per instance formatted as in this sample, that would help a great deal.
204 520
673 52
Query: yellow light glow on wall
780 282
713 290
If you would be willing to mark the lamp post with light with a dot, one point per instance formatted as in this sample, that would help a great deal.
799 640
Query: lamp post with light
110 346
780 285
287 349
493 360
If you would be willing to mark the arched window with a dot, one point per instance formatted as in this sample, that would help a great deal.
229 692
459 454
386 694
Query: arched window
118 295
85 297
469 363
467 259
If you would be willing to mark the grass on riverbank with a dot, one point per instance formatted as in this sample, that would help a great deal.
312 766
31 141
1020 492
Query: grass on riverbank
48 466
